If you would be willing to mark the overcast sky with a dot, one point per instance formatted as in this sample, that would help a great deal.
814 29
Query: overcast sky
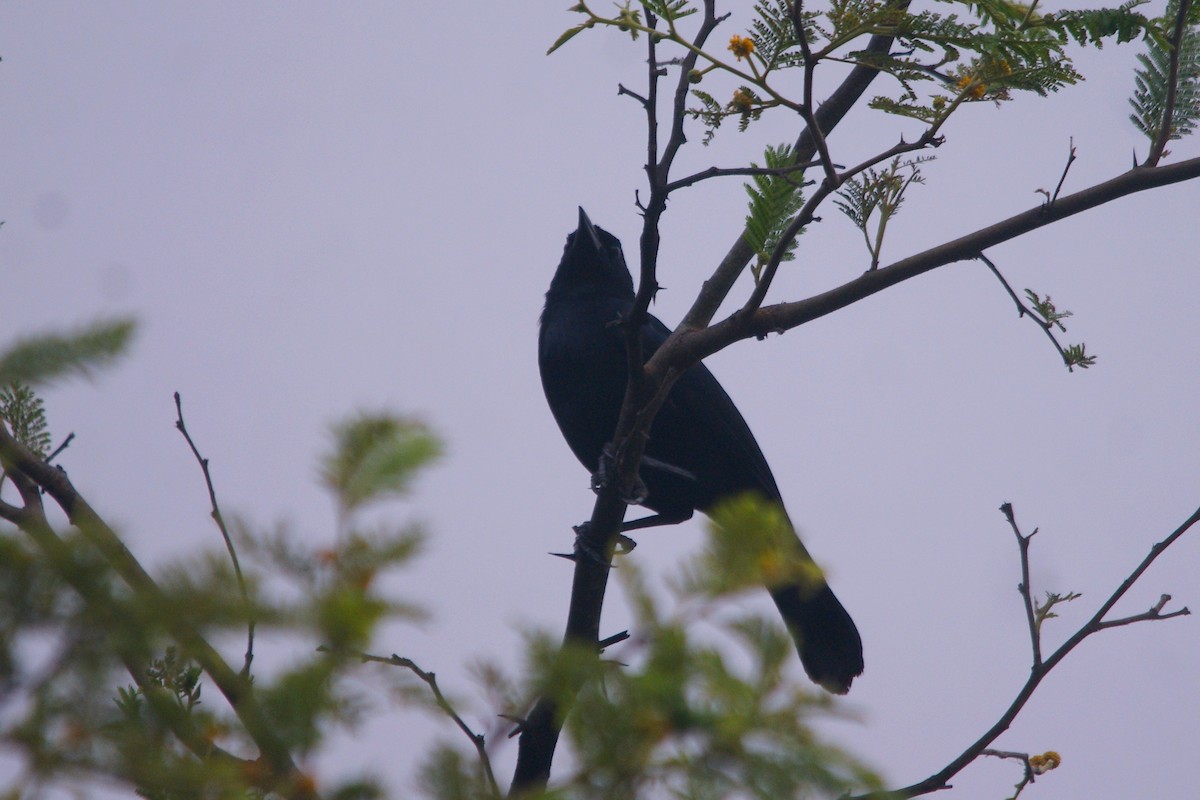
317 208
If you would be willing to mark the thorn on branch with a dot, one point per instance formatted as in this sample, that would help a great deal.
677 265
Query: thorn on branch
616 638
518 724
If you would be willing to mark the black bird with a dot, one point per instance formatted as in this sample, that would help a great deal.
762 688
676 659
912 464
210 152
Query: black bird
700 450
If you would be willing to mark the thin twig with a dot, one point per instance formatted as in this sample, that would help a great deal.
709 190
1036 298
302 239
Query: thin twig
719 172
1155 612
220 520
808 213
1023 310
1023 758
65 444
1026 590
1066 169
806 108
621 90
430 679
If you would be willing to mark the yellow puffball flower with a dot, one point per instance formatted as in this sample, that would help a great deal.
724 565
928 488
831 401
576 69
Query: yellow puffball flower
740 46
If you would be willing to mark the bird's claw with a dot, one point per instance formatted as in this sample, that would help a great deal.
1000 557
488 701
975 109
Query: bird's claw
604 472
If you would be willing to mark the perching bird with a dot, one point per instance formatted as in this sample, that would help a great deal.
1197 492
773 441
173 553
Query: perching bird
700 450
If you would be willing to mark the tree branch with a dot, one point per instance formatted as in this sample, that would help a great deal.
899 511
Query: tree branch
1038 672
688 346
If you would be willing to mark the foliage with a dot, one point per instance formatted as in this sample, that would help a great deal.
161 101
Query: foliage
1152 80
89 625
25 414
39 360
376 455
973 51
879 191
774 201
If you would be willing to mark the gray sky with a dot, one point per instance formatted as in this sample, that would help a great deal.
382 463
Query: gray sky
316 208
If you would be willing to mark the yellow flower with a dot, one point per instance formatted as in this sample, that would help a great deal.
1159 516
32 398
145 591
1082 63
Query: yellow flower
742 102
740 46
976 91
1045 762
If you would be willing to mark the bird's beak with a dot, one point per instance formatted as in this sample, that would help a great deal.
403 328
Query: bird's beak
586 232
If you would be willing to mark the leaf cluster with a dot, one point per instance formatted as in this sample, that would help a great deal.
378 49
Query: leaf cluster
878 194
774 200
1153 79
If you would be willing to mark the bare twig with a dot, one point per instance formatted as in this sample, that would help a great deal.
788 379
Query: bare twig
220 520
1023 758
58 450
621 90
430 679
718 172
1066 169
806 107
1025 589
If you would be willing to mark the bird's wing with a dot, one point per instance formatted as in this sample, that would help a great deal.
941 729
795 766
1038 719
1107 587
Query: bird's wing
700 430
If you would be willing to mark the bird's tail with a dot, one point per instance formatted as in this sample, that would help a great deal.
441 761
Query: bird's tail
829 644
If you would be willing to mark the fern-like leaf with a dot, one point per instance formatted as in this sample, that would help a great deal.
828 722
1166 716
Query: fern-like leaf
25 415
774 200
1152 80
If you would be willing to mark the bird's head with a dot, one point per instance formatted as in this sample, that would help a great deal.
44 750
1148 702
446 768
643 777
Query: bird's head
592 263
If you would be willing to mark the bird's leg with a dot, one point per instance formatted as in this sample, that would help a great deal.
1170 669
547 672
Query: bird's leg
656 520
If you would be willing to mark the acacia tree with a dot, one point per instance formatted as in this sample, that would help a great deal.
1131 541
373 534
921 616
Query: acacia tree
934 65
683 717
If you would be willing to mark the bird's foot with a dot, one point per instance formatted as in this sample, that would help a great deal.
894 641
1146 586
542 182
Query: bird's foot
606 469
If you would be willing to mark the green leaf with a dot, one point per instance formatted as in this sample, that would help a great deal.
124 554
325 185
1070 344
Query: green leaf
751 543
376 455
568 35
38 360
25 415
774 200
1152 80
